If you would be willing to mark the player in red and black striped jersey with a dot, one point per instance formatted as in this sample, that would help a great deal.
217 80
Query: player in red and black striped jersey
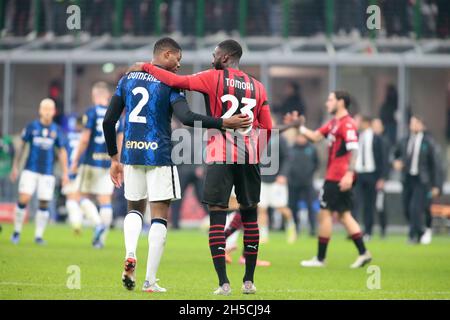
336 195
233 159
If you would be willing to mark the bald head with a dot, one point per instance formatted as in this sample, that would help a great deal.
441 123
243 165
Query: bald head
47 110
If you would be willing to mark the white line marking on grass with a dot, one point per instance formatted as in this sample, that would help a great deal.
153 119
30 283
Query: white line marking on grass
354 291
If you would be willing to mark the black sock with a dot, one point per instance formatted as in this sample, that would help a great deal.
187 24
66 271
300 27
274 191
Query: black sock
322 251
251 241
235 225
217 243
359 242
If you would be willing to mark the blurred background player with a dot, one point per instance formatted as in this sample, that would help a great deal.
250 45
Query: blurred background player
149 173
228 91
72 189
94 169
336 195
370 174
416 156
274 191
303 162
380 207
43 136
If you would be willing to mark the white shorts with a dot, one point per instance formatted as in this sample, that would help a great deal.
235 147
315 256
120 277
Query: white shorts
30 181
274 195
156 183
94 180
72 187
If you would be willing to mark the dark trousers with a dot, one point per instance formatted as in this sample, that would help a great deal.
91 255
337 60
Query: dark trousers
307 194
381 210
366 196
414 205
187 176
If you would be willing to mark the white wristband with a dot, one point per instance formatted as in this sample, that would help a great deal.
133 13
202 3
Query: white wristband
302 130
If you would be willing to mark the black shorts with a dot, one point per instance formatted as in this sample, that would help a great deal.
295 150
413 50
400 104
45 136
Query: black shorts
220 179
333 199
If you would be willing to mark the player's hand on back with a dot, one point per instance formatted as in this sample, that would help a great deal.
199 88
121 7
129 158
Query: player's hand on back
135 67
116 172
237 121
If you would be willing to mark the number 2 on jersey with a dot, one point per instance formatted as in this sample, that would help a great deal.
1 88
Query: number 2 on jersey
134 114
249 104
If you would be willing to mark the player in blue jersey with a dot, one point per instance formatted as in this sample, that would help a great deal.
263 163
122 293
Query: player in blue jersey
71 190
94 168
148 172
43 136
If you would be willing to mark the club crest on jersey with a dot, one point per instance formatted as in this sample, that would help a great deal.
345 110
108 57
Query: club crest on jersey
53 134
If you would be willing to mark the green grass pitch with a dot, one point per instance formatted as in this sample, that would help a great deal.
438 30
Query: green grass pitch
28 271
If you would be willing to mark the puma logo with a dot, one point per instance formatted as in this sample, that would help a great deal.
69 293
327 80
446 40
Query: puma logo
255 247
221 248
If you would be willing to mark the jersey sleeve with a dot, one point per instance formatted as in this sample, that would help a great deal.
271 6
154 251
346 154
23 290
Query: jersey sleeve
200 82
325 129
264 116
120 125
61 141
119 88
26 134
176 95
349 135
89 120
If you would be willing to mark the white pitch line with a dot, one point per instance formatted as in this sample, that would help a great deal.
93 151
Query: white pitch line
262 291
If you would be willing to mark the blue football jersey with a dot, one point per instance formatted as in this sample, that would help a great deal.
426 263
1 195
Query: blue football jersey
96 154
73 140
148 114
43 140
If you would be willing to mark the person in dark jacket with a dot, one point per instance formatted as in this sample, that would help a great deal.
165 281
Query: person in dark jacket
370 173
293 101
416 156
378 129
303 162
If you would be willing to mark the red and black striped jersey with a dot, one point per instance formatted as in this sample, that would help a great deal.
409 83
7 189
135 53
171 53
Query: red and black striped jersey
342 137
227 92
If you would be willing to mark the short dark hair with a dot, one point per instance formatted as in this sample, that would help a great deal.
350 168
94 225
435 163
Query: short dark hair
232 48
166 44
343 95
366 118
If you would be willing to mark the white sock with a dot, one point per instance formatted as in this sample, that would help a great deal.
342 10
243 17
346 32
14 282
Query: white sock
41 220
156 242
232 240
106 217
19 217
264 232
290 223
132 226
75 213
90 210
